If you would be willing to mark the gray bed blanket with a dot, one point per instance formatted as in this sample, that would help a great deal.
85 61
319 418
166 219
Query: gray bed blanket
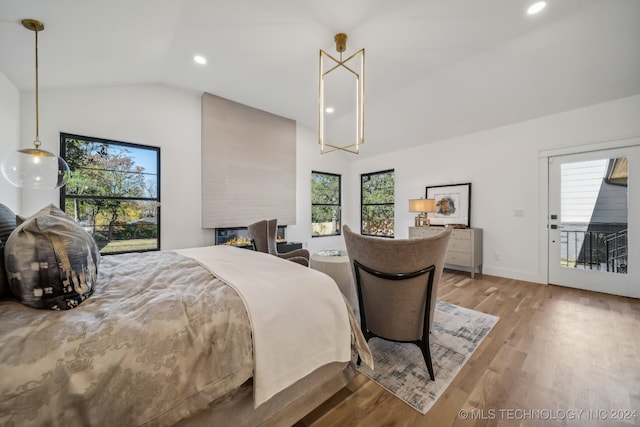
159 340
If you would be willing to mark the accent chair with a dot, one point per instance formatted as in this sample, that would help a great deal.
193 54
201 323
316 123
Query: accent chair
397 284
263 239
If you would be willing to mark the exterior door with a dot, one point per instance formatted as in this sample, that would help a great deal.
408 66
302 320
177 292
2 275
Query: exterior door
594 221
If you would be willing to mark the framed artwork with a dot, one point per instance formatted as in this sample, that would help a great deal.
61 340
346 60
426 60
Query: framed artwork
453 204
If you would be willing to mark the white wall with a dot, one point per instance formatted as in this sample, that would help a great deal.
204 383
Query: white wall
503 166
150 115
309 158
9 136
170 119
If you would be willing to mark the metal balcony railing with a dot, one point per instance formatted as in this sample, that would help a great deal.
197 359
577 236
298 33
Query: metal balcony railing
616 244
594 250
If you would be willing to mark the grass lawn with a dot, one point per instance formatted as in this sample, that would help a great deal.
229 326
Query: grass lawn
129 245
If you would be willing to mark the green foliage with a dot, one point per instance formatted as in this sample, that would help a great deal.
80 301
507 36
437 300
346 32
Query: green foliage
325 204
378 198
109 172
98 168
324 213
325 189
378 188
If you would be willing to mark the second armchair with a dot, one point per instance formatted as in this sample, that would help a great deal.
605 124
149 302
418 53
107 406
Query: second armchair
263 239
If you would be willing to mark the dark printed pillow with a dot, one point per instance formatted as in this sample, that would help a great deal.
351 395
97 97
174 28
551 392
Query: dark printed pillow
7 222
51 261
20 219
7 225
4 284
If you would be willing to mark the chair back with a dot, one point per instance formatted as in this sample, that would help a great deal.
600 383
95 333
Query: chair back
391 308
263 238
272 231
258 236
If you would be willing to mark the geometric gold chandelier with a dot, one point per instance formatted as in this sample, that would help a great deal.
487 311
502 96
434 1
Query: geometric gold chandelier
33 167
341 100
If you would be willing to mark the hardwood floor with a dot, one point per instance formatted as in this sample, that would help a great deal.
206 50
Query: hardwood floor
555 352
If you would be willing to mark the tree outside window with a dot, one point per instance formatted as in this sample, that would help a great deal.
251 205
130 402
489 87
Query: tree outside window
113 192
325 204
377 203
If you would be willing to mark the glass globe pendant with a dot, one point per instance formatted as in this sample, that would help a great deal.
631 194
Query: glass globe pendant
33 167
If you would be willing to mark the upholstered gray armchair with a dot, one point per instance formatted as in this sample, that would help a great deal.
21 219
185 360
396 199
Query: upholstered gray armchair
397 282
263 239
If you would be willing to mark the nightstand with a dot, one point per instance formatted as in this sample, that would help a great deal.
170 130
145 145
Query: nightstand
335 263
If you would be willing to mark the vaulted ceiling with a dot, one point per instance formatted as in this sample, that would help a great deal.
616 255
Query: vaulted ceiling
434 68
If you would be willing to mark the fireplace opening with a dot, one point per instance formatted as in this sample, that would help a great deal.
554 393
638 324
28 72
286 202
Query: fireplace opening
239 236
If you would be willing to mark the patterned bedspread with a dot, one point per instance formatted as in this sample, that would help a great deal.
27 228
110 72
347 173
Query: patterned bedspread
159 340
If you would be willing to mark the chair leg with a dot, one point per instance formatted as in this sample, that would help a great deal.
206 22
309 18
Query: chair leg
426 353
367 335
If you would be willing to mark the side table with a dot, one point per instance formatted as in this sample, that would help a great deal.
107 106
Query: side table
335 264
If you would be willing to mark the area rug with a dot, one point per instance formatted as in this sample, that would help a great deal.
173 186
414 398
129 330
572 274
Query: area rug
400 367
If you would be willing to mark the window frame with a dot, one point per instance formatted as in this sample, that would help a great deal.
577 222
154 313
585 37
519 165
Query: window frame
363 204
338 205
63 192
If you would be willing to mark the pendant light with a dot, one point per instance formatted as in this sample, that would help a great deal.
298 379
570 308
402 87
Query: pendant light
33 167
341 81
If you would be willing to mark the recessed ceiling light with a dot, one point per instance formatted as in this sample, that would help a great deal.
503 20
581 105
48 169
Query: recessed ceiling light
329 110
536 7
199 59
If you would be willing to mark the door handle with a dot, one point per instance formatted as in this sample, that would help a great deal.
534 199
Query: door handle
553 226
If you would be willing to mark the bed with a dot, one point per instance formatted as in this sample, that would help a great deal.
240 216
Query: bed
203 336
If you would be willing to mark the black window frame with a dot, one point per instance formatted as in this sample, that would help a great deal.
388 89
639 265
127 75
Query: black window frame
63 192
363 204
338 205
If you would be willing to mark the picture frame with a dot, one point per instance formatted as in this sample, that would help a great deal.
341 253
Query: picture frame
453 205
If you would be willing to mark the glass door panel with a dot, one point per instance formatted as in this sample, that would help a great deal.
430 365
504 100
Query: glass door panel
591 203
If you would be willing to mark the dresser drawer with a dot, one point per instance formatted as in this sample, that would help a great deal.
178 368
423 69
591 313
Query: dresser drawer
464 235
465 245
458 258
424 232
459 246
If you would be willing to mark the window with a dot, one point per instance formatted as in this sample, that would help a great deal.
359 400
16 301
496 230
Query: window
377 202
325 204
114 192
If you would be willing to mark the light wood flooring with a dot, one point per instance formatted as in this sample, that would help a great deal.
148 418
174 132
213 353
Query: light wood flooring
554 352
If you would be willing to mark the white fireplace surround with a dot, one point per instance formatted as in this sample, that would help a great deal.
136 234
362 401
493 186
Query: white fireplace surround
248 165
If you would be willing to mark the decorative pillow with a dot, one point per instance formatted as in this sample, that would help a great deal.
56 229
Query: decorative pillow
7 222
20 219
4 284
51 261
7 225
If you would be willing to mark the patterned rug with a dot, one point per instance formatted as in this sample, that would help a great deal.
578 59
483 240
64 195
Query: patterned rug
400 368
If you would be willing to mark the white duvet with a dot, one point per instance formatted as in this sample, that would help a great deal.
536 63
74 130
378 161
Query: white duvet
299 318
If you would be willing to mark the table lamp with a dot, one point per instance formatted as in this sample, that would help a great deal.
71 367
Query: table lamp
422 206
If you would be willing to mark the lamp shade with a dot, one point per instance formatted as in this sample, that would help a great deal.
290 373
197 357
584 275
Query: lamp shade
422 205
36 169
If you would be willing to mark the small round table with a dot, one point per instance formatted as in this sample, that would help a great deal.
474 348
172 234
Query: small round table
335 264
